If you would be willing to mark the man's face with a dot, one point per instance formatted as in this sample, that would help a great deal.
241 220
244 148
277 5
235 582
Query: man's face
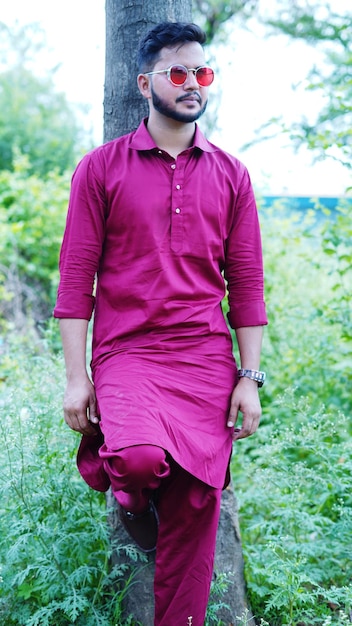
184 103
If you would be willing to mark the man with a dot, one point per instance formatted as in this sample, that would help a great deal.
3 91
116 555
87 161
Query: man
160 216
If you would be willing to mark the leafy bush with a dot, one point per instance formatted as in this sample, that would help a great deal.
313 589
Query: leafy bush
55 544
35 119
296 512
32 218
308 342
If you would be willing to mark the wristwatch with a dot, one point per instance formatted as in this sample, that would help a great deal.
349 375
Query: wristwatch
259 377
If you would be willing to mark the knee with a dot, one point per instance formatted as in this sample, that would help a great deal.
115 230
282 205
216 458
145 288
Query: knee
140 461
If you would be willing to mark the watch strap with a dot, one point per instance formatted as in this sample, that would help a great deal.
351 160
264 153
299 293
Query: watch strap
256 375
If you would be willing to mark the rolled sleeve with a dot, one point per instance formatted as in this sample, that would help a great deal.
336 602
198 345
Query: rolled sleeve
82 243
244 262
247 314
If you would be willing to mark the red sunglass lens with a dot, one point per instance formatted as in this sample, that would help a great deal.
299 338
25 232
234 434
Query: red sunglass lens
205 76
178 74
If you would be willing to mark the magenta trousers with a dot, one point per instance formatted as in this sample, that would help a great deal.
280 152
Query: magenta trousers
188 511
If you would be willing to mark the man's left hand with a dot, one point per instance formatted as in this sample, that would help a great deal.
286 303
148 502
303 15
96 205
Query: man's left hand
245 399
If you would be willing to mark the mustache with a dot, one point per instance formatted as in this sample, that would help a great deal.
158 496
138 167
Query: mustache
195 94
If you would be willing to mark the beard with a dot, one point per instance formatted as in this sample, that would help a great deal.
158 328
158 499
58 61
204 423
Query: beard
165 109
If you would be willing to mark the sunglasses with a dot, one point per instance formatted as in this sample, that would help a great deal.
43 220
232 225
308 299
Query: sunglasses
178 74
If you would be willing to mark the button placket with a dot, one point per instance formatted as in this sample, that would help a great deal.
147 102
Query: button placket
176 209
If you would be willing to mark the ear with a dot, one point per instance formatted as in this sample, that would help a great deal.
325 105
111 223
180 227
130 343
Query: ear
143 82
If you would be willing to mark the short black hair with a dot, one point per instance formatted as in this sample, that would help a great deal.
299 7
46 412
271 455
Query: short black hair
166 35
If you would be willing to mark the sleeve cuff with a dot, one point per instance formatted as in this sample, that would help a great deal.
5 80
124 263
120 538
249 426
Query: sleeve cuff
82 310
249 314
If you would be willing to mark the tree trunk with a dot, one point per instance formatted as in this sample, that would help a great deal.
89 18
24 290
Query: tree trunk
126 23
124 107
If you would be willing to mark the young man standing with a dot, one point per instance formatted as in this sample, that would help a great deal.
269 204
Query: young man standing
162 218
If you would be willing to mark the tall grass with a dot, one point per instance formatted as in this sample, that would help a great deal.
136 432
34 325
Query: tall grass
55 544
296 517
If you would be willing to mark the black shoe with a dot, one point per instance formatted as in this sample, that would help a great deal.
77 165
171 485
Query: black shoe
142 527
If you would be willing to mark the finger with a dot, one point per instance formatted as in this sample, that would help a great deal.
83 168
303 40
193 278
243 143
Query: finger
241 433
79 423
92 411
248 428
85 427
233 415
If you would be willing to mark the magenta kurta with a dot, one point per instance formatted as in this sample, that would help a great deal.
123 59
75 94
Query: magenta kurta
160 235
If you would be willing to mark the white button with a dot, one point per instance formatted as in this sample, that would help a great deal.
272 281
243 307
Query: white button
160 151
177 210
173 166
178 186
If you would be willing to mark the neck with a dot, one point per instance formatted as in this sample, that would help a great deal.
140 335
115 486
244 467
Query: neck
171 136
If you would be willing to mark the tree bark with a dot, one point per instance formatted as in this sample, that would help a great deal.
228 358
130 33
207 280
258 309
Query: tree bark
126 22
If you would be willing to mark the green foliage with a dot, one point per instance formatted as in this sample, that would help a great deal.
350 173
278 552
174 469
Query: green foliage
336 244
330 134
35 120
32 217
211 15
296 512
40 141
293 477
54 540
308 341
218 589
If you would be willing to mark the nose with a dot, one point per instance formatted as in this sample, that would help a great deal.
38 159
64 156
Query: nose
191 81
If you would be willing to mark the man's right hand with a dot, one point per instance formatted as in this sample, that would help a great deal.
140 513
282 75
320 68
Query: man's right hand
80 406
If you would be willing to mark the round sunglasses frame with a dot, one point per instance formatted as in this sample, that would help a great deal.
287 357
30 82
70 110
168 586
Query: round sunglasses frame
195 70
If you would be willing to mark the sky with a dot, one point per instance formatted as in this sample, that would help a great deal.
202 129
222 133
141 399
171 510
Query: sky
260 77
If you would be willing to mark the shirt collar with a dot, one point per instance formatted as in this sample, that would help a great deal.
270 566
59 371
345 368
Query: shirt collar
141 139
201 142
